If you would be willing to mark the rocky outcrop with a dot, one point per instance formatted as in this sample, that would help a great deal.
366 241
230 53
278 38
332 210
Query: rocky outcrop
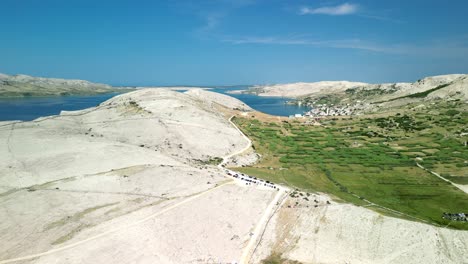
345 233
293 90
454 85
24 85
128 181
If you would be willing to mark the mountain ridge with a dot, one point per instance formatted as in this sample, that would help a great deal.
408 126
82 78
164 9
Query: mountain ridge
21 85
301 89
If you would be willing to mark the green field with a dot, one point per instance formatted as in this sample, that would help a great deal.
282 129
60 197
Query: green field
371 159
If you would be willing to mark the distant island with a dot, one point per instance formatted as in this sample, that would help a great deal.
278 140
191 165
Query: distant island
25 86
376 173
344 98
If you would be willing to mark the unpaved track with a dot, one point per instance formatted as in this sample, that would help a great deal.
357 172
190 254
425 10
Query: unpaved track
247 252
114 230
460 187
225 159
245 258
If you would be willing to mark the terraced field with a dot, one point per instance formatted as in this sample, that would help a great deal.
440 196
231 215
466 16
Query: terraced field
372 160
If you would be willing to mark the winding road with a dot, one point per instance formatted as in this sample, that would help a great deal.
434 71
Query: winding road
249 144
113 230
261 225
245 258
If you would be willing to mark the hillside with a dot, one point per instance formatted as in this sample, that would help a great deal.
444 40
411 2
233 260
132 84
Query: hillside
24 86
347 98
135 180
407 162
100 172
294 90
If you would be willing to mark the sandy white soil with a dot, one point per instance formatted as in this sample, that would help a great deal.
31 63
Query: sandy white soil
344 233
301 89
218 98
213 227
173 88
125 182
457 87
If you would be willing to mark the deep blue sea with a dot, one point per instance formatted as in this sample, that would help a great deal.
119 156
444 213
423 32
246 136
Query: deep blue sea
30 108
270 105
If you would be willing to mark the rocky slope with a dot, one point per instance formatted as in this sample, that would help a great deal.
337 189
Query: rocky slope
129 181
218 98
348 98
344 233
453 84
24 85
294 90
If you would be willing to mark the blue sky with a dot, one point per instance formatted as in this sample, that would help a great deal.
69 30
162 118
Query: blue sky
221 42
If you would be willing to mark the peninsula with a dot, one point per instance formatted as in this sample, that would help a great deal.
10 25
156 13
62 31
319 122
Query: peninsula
26 86
161 176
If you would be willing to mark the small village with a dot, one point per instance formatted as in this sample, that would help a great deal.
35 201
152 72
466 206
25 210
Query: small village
333 110
324 110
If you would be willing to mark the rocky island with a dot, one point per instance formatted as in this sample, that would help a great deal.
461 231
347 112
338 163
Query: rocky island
342 98
143 178
26 86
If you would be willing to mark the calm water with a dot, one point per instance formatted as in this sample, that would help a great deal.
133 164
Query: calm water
34 107
269 105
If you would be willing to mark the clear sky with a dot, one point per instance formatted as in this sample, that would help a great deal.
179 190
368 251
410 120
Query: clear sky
221 42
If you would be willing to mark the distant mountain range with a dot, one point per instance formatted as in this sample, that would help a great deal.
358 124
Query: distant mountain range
445 84
24 86
365 97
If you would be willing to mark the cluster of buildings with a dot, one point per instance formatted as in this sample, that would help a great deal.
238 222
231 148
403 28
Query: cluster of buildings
332 110
322 110
249 180
462 217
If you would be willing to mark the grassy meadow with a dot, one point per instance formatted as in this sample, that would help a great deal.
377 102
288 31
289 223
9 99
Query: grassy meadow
371 160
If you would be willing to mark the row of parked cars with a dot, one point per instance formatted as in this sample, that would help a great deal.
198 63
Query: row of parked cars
249 180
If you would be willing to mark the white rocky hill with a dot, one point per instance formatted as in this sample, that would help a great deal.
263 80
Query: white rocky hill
132 181
65 179
218 98
345 233
443 86
301 89
24 85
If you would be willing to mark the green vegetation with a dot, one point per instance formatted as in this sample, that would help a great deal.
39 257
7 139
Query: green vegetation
363 93
372 159
350 95
277 259
404 122
211 161
326 99
76 220
417 95
76 217
33 87
215 161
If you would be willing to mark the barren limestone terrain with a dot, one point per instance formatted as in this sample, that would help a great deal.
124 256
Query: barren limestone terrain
456 83
345 233
300 89
125 182
25 86
135 180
